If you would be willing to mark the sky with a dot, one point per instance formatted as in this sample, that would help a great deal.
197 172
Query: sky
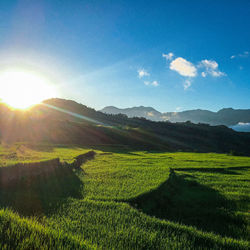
171 55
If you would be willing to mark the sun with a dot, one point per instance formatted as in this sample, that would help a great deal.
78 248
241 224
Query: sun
23 89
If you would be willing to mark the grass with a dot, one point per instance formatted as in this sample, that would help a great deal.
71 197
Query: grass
128 200
26 152
122 176
187 199
21 233
117 225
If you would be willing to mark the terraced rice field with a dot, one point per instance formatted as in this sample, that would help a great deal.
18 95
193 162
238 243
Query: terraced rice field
125 199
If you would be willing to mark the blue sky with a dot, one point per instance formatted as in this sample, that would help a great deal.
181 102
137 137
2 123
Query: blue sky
171 55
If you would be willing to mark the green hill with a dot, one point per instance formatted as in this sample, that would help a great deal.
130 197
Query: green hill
66 122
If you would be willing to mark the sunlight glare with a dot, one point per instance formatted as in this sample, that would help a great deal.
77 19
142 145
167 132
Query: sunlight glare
22 89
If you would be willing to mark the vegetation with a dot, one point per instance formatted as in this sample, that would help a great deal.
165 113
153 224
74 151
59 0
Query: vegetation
28 152
127 199
21 233
61 121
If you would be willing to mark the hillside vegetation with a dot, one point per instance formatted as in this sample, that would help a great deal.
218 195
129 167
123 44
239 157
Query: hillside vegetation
67 122
127 199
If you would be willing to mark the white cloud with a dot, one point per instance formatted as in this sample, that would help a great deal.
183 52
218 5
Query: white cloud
178 108
210 68
189 70
203 74
153 83
183 67
142 73
209 64
187 84
168 56
241 55
217 73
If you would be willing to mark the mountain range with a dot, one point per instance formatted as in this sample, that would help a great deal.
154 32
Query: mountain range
68 122
226 116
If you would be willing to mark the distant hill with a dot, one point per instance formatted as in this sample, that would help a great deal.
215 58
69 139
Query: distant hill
68 122
227 116
145 112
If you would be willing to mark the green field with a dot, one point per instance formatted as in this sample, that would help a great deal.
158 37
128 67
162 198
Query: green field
127 199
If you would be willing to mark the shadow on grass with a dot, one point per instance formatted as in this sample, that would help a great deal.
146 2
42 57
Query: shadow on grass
239 168
126 149
228 170
43 194
181 199
209 170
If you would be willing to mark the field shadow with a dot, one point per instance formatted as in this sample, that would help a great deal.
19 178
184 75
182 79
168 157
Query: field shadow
181 199
239 168
42 194
210 170
229 170
127 149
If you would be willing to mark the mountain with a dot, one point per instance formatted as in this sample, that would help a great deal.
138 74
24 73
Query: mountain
68 122
227 116
146 112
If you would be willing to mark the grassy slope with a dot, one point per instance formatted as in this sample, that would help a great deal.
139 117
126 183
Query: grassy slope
118 180
117 225
26 152
21 233
124 175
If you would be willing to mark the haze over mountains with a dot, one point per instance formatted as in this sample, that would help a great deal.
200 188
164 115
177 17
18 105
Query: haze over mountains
68 122
226 116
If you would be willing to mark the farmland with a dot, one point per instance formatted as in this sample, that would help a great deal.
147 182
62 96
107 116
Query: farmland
127 199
